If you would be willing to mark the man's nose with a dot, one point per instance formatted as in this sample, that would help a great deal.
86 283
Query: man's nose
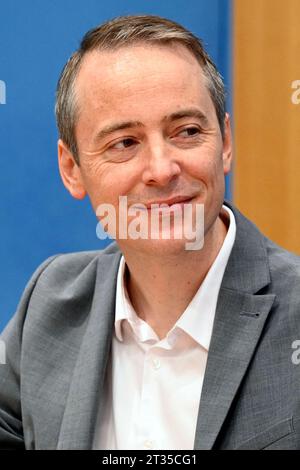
161 164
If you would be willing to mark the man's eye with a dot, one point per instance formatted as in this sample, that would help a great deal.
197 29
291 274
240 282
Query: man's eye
191 131
125 143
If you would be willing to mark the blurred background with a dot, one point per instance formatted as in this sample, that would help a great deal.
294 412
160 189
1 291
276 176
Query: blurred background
256 46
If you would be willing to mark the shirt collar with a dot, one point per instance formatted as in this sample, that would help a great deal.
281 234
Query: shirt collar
124 308
198 318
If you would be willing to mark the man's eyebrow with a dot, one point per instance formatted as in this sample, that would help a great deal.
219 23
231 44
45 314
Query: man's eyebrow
118 126
190 112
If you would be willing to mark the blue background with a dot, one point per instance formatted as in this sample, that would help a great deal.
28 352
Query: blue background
38 217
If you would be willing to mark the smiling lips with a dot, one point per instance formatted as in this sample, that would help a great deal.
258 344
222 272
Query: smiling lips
170 202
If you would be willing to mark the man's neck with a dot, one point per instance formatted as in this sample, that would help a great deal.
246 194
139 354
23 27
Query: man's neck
160 287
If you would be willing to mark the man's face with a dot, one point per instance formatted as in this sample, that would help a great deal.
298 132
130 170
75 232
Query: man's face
166 140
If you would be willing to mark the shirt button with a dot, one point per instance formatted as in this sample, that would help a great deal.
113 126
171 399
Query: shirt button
148 444
156 364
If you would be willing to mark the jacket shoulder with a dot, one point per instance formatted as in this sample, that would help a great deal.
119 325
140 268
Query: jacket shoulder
63 269
65 283
282 262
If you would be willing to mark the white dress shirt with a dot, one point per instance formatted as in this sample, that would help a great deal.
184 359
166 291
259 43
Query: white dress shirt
153 387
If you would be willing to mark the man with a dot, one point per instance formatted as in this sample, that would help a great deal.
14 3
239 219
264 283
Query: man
148 344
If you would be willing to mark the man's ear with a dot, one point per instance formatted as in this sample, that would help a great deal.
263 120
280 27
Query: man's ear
70 171
227 145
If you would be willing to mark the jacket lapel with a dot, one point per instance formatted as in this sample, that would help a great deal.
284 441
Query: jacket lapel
241 313
78 425
238 325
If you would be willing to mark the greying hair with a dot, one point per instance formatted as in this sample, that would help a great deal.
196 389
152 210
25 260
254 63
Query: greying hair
125 31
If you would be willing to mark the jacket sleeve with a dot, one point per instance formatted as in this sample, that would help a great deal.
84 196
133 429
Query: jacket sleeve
11 428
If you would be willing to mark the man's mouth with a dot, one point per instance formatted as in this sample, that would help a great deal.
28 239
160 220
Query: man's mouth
166 203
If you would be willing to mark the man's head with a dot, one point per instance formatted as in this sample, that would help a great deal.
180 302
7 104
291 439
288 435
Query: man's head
121 32
126 101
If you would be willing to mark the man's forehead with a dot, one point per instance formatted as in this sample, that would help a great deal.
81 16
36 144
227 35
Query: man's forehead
117 80
105 105
135 59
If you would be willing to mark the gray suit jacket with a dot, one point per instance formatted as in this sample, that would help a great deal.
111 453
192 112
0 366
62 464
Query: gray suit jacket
58 345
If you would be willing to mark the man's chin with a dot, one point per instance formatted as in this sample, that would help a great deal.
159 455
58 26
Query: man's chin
161 247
